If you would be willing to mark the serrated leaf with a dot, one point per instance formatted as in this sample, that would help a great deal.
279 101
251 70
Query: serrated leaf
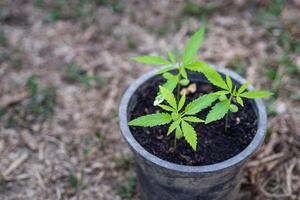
197 66
242 88
167 108
193 46
234 91
200 103
173 126
184 82
189 134
256 94
154 60
222 97
221 92
233 108
229 82
168 75
240 100
170 84
158 99
168 96
181 102
183 72
172 57
210 73
151 120
218 111
178 133
192 119
164 70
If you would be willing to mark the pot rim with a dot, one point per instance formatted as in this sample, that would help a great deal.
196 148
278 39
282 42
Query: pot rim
235 160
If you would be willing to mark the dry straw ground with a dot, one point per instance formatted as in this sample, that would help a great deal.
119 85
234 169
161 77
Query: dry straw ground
64 65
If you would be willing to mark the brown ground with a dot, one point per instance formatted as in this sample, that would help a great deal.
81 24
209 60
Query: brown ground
59 136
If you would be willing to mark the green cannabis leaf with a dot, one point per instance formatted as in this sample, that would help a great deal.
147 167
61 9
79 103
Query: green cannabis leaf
256 94
179 119
172 57
151 120
189 134
193 46
218 111
168 96
193 119
181 78
225 106
210 73
173 126
181 102
200 103
243 88
154 60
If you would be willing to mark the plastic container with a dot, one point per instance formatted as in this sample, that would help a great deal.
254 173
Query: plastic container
163 180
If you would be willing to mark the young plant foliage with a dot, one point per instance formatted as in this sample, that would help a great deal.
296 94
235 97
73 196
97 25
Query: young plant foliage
176 115
227 93
173 62
180 117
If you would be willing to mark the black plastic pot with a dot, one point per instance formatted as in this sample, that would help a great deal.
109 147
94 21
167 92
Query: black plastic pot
163 180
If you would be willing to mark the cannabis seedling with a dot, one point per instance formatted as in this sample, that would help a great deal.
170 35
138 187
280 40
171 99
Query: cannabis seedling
174 114
228 93
180 63
178 118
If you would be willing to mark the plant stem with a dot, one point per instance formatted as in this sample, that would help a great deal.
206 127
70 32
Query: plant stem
226 121
178 86
227 115
178 92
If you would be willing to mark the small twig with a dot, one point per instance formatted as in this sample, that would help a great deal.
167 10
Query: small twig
100 175
271 195
29 139
11 100
58 193
18 177
274 140
41 151
15 164
289 172
40 180
265 160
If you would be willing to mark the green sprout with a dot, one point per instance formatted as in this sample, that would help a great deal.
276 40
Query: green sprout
180 63
227 94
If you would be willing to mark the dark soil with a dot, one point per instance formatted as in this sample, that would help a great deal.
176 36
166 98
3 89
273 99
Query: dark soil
214 144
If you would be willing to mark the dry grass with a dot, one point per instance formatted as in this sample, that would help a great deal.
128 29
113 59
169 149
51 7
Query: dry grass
59 136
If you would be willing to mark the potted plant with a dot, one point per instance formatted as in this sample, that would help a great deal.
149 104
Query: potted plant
191 127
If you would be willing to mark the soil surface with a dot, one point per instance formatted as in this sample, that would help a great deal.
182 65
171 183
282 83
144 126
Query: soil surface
214 143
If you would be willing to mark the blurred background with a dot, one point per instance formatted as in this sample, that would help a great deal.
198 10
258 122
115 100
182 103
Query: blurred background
64 65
